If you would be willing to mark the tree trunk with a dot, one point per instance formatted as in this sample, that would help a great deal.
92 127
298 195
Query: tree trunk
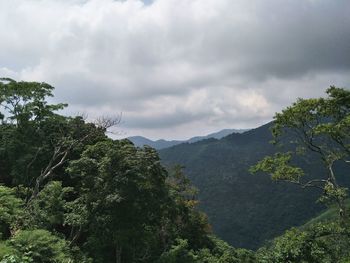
342 210
340 201
118 253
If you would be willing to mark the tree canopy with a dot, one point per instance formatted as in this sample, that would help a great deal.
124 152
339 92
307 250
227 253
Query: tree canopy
320 127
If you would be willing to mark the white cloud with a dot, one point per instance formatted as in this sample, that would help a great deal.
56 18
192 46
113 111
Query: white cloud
178 68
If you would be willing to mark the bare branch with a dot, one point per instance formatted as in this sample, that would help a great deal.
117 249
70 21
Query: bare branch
58 158
309 184
106 122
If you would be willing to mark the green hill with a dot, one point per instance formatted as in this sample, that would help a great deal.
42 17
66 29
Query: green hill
329 214
244 209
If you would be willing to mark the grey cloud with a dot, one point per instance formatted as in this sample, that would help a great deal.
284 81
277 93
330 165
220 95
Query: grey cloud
178 63
164 121
282 39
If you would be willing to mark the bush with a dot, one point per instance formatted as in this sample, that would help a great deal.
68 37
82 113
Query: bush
41 246
10 210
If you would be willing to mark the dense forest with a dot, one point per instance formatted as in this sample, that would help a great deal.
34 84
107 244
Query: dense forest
68 193
243 209
247 209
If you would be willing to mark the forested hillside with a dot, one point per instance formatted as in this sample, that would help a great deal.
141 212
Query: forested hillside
244 209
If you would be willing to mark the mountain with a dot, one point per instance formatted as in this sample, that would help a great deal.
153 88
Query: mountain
161 144
216 135
244 209
140 141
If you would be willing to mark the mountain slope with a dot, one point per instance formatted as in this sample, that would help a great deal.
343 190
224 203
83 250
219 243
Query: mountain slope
244 209
161 144
140 141
216 135
330 214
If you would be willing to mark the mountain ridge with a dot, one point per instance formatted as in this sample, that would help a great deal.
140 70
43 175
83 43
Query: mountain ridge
140 141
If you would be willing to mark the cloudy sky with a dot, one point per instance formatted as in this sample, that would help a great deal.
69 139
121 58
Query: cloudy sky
178 68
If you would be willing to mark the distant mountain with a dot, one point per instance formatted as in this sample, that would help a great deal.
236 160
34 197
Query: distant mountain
244 209
216 135
161 144
140 141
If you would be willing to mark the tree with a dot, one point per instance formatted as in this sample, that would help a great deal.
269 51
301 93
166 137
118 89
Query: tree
40 246
24 111
23 101
122 191
321 243
320 127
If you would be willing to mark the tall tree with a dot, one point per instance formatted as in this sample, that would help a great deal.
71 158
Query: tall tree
320 126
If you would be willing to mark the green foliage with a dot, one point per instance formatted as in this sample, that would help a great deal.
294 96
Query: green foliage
25 101
279 167
324 120
39 246
180 185
16 259
48 209
178 253
320 127
119 183
322 243
6 251
11 209
220 252
24 139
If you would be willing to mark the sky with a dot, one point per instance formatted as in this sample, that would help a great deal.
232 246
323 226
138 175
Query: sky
174 69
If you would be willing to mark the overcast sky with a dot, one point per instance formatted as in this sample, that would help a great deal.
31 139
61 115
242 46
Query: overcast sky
178 68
